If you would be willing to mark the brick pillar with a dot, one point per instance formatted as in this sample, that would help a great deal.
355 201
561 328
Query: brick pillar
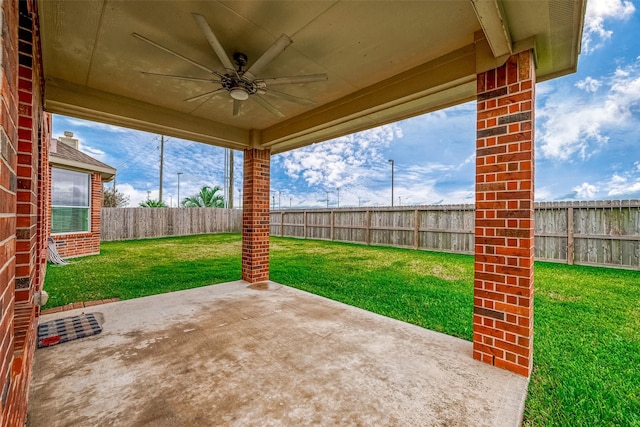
255 215
503 285
8 189
21 118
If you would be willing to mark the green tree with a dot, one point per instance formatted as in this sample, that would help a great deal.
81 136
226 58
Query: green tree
207 197
153 204
112 198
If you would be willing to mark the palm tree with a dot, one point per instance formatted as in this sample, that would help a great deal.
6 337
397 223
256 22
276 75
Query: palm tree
206 198
153 204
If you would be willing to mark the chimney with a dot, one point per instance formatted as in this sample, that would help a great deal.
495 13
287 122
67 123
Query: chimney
53 146
69 139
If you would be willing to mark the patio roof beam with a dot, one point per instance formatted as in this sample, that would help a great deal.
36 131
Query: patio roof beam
450 80
494 25
69 99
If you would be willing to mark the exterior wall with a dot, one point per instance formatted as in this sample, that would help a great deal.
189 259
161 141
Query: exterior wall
23 199
79 244
504 226
255 215
8 188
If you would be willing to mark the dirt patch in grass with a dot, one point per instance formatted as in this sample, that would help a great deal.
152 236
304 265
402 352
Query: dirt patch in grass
200 250
442 271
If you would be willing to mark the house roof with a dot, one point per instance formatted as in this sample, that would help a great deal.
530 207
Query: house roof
68 156
132 65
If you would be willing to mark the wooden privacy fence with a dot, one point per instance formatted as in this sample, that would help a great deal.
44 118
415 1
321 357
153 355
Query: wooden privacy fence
601 233
140 223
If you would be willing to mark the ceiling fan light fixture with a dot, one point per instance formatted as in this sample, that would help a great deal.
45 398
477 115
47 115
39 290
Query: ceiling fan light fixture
239 94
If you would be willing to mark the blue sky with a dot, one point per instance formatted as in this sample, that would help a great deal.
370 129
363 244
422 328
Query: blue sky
587 141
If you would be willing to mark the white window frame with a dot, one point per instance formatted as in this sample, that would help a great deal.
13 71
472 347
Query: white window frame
88 207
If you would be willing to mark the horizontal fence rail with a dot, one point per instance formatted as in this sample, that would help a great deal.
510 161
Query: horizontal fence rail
140 223
599 233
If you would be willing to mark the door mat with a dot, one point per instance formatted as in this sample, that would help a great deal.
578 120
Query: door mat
69 328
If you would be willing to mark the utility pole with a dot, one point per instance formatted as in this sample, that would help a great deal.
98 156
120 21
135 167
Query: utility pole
279 199
161 164
240 198
392 163
179 173
338 196
327 191
230 179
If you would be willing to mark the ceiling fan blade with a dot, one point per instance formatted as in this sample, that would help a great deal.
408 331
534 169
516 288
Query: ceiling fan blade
291 98
204 95
276 49
310 78
170 76
171 52
267 105
213 41
236 107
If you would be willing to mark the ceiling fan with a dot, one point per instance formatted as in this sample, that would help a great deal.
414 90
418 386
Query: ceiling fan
239 83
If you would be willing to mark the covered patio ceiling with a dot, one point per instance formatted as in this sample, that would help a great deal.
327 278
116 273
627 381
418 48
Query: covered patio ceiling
384 61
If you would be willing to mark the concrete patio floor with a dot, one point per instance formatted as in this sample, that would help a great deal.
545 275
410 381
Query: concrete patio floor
264 355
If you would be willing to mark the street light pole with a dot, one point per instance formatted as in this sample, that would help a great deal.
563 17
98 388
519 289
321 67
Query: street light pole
179 173
392 163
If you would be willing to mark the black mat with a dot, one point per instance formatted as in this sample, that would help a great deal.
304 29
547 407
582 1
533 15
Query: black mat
67 329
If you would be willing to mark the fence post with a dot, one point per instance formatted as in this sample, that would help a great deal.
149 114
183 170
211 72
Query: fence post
281 223
570 247
416 229
367 238
331 225
304 225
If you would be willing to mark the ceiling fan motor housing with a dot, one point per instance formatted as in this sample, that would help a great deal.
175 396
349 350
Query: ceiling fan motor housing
238 87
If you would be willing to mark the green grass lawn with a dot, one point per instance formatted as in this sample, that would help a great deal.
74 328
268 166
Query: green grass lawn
587 320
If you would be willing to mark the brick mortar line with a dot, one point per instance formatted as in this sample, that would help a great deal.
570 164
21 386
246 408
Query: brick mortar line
75 305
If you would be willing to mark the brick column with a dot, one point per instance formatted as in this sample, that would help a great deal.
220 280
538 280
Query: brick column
255 215
24 131
503 285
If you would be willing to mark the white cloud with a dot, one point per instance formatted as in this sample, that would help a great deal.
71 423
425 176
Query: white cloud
542 194
620 185
96 153
75 123
136 196
585 191
343 161
572 125
598 11
589 84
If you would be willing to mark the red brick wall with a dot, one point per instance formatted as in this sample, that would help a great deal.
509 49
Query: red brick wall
23 162
79 244
8 188
255 215
503 286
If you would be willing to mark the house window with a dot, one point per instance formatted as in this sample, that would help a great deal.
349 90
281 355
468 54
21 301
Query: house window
70 201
